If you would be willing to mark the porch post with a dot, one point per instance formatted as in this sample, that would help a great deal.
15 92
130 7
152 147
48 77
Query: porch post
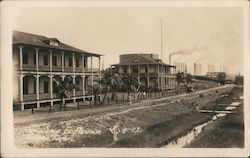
74 81
21 90
92 75
62 62
99 63
129 70
37 59
50 60
37 89
51 86
83 85
21 57
73 62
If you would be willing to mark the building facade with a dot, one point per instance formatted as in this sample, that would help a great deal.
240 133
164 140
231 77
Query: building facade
148 70
39 61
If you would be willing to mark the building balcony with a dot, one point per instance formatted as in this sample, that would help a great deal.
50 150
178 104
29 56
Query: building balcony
43 68
91 70
68 69
79 93
44 96
29 97
153 74
78 69
29 67
56 68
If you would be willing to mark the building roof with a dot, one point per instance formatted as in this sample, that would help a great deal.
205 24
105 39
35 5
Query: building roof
141 59
42 41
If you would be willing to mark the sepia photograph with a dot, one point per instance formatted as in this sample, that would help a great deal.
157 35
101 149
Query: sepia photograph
157 76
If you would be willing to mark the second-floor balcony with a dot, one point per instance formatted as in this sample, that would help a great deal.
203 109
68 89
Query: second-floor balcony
68 69
29 97
91 70
44 96
43 68
29 67
56 68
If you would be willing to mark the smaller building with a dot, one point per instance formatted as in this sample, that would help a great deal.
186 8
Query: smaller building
148 69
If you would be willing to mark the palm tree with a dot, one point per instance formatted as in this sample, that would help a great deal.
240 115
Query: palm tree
109 79
63 88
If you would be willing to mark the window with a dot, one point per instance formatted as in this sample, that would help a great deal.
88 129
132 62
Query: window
54 60
25 58
77 62
45 59
46 86
70 62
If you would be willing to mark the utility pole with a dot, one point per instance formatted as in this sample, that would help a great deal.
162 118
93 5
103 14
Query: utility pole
161 42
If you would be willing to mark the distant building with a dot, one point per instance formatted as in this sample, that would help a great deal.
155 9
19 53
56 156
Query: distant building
38 60
197 69
148 69
211 68
180 67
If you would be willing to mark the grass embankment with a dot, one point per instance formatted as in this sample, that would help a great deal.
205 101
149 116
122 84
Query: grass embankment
226 132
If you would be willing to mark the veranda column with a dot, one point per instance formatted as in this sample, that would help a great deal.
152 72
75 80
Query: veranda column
74 82
83 85
92 76
37 90
21 57
51 89
74 91
99 63
129 70
21 90
50 60
73 62
37 59
62 62
51 86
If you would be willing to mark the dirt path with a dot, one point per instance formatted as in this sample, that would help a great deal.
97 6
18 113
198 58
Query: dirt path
27 118
92 128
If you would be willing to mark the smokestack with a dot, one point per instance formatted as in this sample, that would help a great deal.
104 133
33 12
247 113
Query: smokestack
169 59
194 68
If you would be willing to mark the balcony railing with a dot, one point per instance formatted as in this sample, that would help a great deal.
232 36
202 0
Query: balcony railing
29 67
43 68
79 93
44 96
29 97
78 69
56 68
91 70
68 69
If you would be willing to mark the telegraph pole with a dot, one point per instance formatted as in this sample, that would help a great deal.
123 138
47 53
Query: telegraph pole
161 42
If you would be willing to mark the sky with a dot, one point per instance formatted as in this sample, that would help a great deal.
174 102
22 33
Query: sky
203 35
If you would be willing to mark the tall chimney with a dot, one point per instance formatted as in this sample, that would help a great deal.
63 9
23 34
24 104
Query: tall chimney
169 59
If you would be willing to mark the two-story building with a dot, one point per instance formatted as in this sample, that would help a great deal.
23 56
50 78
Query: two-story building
148 69
38 61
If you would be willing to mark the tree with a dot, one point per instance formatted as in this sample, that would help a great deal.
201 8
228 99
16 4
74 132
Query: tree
221 77
63 88
109 79
189 78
